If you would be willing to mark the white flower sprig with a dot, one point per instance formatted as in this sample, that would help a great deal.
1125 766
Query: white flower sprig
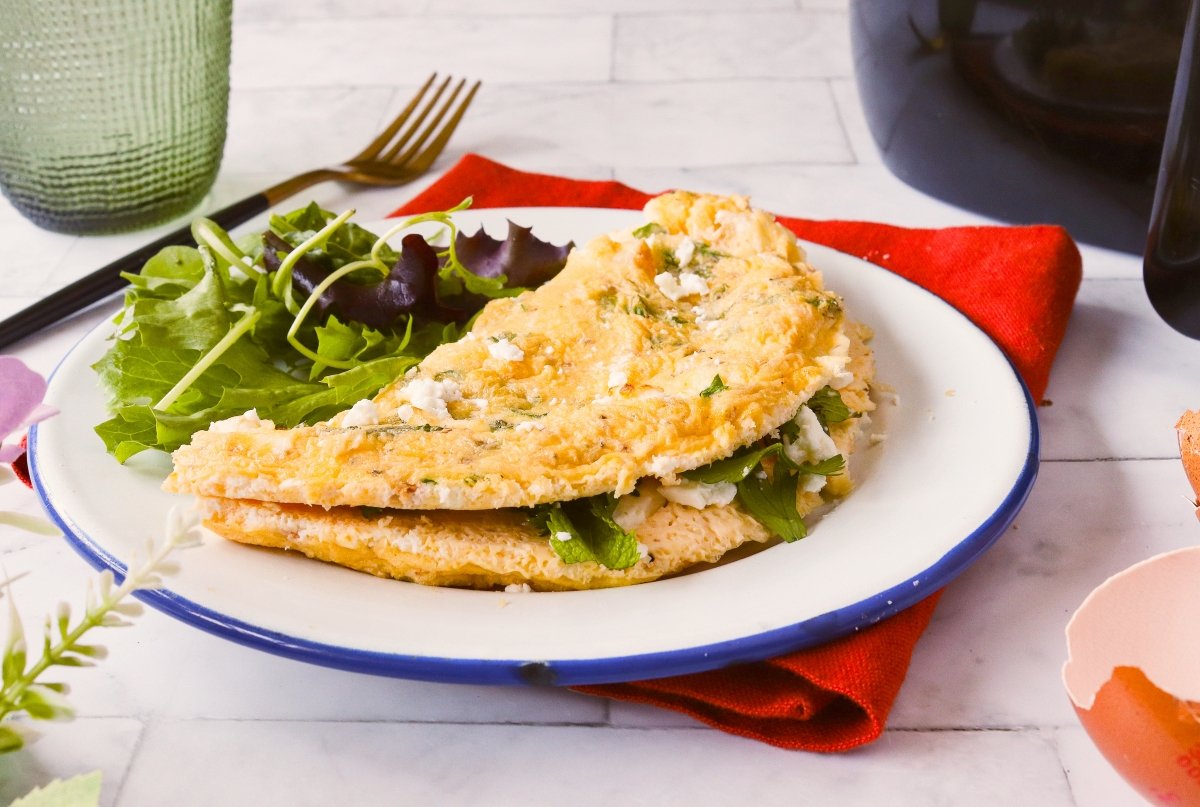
105 605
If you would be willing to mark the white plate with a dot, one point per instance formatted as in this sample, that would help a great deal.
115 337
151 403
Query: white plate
958 462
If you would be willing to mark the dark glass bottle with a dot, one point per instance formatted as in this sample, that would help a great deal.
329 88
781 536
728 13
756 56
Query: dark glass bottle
1172 263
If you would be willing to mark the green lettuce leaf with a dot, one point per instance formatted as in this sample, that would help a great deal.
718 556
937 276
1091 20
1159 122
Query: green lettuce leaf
206 335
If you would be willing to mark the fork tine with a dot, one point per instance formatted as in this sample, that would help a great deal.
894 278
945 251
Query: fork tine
423 160
390 156
372 150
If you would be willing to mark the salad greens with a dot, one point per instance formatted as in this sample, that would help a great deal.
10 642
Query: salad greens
297 323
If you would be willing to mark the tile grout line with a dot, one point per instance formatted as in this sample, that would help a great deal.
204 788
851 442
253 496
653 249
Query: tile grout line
133 755
604 724
1174 458
840 115
614 22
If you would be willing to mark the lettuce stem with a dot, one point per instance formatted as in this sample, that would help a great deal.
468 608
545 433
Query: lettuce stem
282 283
314 295
207 233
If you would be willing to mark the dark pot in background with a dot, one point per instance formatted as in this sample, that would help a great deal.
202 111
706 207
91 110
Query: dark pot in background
1024 111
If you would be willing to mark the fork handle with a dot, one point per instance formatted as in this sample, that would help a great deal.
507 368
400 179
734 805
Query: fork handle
106 280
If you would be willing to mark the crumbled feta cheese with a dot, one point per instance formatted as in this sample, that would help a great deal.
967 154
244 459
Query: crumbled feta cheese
643 551
247 421
432 396
517 588
363 413
685 252
812 444
835 363
676 288
563 536
699 494
404 412
617 377
812 483
548 350
632 511
527 426
505 350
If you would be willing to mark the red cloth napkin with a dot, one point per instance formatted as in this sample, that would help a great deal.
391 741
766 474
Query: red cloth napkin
1016 283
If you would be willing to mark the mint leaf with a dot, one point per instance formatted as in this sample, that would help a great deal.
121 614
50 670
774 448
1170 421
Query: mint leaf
827 467
826 403
737 467
595 537
773 502
712 389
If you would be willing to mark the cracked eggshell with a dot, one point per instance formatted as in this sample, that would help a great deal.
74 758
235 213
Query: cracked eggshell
1188 431
1133 674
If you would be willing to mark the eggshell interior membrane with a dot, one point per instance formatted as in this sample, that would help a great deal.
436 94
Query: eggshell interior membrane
1188 430
1142 617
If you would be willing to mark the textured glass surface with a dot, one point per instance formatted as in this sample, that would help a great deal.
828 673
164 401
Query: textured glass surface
112 112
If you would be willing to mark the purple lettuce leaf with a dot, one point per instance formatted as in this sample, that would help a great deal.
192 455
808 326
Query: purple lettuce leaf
522 258
408 288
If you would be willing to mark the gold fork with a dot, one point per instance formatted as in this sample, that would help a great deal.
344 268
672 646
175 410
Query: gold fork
392 158
403 151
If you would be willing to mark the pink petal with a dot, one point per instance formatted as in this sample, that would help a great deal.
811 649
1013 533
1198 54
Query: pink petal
39 413
9 452
21 391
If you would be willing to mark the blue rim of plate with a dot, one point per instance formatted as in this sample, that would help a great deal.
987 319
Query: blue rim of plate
578 672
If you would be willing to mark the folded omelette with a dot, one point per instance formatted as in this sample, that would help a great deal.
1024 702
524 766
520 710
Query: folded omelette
656 351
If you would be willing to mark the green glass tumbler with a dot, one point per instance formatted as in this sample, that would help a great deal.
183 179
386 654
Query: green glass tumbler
112 112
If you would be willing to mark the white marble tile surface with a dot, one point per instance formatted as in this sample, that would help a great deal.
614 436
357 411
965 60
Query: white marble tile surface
303 763
755 97
280 52
687 47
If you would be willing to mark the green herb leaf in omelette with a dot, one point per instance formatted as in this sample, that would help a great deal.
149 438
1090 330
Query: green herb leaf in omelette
649 229
712 389
773 502
594 536
827 404
831 466
737 467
